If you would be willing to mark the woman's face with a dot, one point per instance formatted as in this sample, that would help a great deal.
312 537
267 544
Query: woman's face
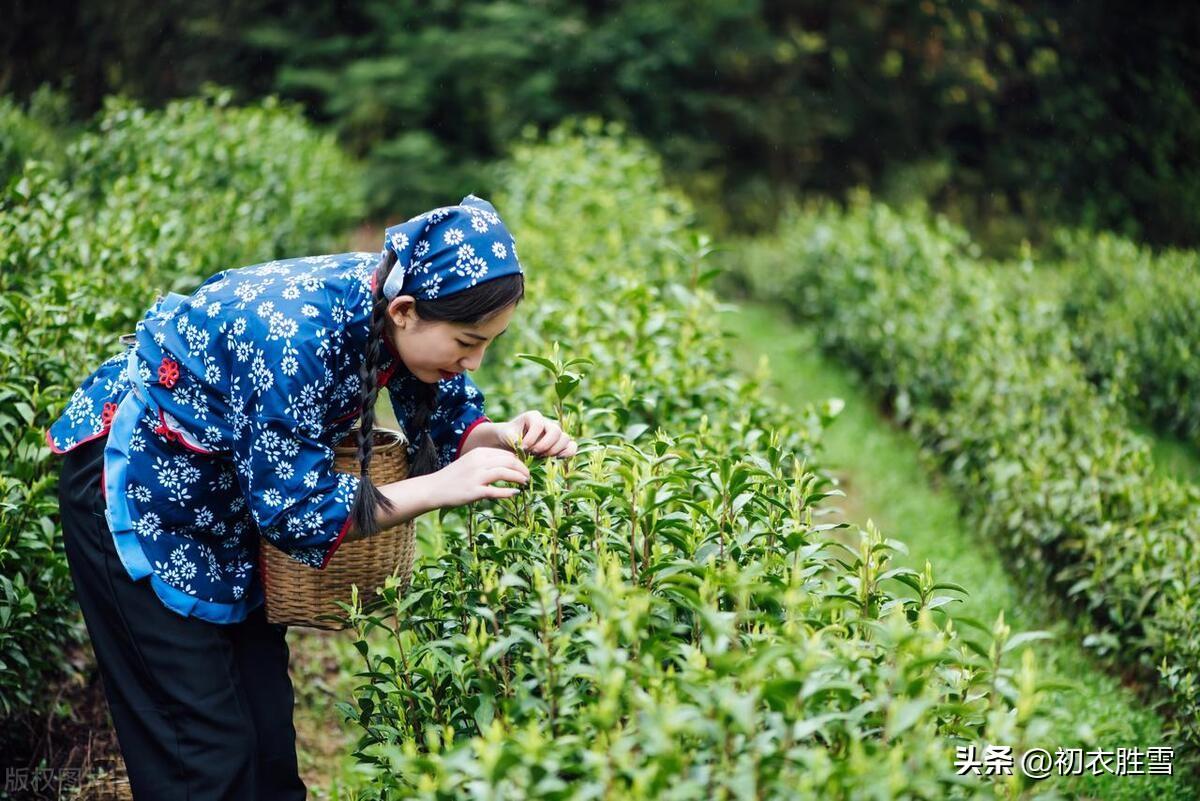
433 349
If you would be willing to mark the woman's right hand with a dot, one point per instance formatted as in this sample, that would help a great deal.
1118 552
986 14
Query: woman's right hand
471 476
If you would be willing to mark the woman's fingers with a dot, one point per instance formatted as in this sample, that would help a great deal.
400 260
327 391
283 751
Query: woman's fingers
554 441
559 445
505 474
516 464
544 437
508 459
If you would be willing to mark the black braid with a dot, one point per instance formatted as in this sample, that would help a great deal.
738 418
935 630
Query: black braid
425 460
364 511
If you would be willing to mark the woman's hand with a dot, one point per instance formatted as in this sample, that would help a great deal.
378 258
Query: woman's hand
537 435
470 477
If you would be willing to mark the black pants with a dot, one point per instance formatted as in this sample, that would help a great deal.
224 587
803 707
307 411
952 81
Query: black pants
202 710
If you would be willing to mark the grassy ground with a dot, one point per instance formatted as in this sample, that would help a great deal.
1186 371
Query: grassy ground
323 664
886 481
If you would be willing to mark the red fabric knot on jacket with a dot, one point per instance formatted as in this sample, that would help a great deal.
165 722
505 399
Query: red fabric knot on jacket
164 431
168 373
106 416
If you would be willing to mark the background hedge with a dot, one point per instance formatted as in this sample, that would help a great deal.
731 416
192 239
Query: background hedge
975 359
144 202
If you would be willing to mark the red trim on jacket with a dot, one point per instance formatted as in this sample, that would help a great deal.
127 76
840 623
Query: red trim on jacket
338 542
172 435
102 432
462 440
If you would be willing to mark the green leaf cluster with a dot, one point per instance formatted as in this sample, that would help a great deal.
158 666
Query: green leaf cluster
975 359
141 203
1135 317
668 615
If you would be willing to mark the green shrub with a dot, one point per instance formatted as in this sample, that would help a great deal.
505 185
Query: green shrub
33 132
985 374
1134 317
667 615
148 202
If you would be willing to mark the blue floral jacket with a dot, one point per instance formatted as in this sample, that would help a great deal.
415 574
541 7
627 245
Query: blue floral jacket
221 421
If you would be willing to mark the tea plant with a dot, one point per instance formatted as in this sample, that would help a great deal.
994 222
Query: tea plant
34 131
667 615
980 367
144 203
1133 314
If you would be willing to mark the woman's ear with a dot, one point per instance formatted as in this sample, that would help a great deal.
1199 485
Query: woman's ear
402 310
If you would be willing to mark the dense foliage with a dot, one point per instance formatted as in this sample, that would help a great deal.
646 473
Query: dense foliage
1083 110
667 615
1135 316
982 369
33 132
145 203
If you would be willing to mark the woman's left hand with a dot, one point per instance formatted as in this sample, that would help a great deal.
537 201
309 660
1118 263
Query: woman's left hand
538 435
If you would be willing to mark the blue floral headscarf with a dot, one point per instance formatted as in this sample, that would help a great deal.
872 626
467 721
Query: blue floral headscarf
449 249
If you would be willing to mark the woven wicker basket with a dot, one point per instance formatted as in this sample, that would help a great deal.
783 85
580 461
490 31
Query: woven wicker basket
299 595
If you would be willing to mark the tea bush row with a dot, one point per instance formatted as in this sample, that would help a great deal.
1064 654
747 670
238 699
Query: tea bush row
668 615
982 369
146 202
33 131
1135 315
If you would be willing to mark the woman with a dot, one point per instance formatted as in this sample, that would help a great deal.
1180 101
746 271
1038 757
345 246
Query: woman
214 430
